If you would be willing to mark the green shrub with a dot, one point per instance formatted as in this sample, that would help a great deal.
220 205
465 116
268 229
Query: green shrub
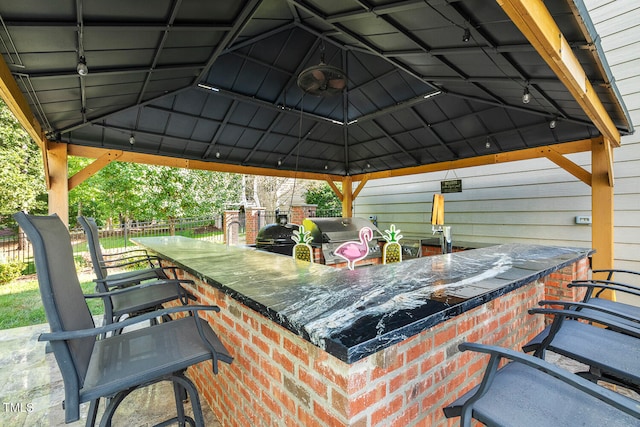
10 271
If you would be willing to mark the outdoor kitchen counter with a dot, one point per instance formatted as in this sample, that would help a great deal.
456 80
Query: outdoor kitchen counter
352 314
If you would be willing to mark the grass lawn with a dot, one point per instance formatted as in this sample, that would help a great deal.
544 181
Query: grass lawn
113 242
20 303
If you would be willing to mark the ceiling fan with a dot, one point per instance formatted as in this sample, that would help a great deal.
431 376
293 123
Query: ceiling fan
322 79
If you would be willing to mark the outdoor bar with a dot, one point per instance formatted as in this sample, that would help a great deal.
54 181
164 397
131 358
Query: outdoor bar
376 346
379 102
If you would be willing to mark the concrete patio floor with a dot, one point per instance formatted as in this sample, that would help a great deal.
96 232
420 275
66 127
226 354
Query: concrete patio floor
32 389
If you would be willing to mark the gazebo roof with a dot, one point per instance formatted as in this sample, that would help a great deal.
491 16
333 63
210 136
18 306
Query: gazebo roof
427 81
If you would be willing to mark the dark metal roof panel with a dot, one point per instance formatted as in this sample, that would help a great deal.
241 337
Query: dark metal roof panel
196 78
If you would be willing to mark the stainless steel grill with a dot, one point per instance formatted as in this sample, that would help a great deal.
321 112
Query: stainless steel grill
329 233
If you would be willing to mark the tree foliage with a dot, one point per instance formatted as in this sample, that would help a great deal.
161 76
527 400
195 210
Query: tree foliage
119 191
321 194
21 173
127 191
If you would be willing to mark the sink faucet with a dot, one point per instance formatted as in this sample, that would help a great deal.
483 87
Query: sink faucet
445 237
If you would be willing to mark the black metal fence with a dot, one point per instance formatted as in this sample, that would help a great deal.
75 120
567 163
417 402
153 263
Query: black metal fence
271 217
16 248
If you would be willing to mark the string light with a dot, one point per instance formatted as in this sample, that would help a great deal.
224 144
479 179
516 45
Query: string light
526 96
466 36
82 68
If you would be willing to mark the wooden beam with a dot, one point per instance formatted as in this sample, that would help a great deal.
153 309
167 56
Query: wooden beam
602 237
153 159
566 164
490 159
18 105
360 186
59 190
609 154
347 199
335 189
93 168
536 23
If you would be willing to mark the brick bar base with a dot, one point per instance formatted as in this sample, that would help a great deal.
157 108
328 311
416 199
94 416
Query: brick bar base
279 379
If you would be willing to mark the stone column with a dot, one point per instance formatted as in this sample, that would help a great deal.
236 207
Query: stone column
231 227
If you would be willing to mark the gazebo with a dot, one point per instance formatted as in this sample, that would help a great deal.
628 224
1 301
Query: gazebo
341 91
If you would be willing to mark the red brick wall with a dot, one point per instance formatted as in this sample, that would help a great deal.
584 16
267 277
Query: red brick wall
300 212
556 283
277 378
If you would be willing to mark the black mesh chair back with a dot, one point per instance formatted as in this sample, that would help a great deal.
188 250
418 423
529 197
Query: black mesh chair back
64 303
93 241
102 263
116 364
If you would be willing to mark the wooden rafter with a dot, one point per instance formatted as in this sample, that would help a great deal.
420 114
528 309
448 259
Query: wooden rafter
335 188
536 23
489 159
152 159
361 185
94 167
18 105
566 164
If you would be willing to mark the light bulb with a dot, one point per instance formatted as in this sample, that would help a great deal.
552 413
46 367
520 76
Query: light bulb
82 68
526 96
466 36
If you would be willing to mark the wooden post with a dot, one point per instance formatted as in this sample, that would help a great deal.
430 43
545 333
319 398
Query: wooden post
347 197
58 179
602 207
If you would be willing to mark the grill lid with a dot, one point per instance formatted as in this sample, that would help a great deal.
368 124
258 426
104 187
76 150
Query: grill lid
331 230
276 233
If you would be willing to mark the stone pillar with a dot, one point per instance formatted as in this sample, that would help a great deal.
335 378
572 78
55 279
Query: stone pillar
300 212
231 227
255 219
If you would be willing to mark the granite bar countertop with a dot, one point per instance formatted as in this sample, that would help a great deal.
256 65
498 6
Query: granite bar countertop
352 314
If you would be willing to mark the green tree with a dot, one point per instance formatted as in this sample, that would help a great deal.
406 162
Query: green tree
21 173
321 194
125 191
116 192
181 193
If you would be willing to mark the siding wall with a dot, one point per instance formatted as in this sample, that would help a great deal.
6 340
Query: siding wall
534 201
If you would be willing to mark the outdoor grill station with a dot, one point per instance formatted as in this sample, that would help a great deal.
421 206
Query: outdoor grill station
329 233
342 92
